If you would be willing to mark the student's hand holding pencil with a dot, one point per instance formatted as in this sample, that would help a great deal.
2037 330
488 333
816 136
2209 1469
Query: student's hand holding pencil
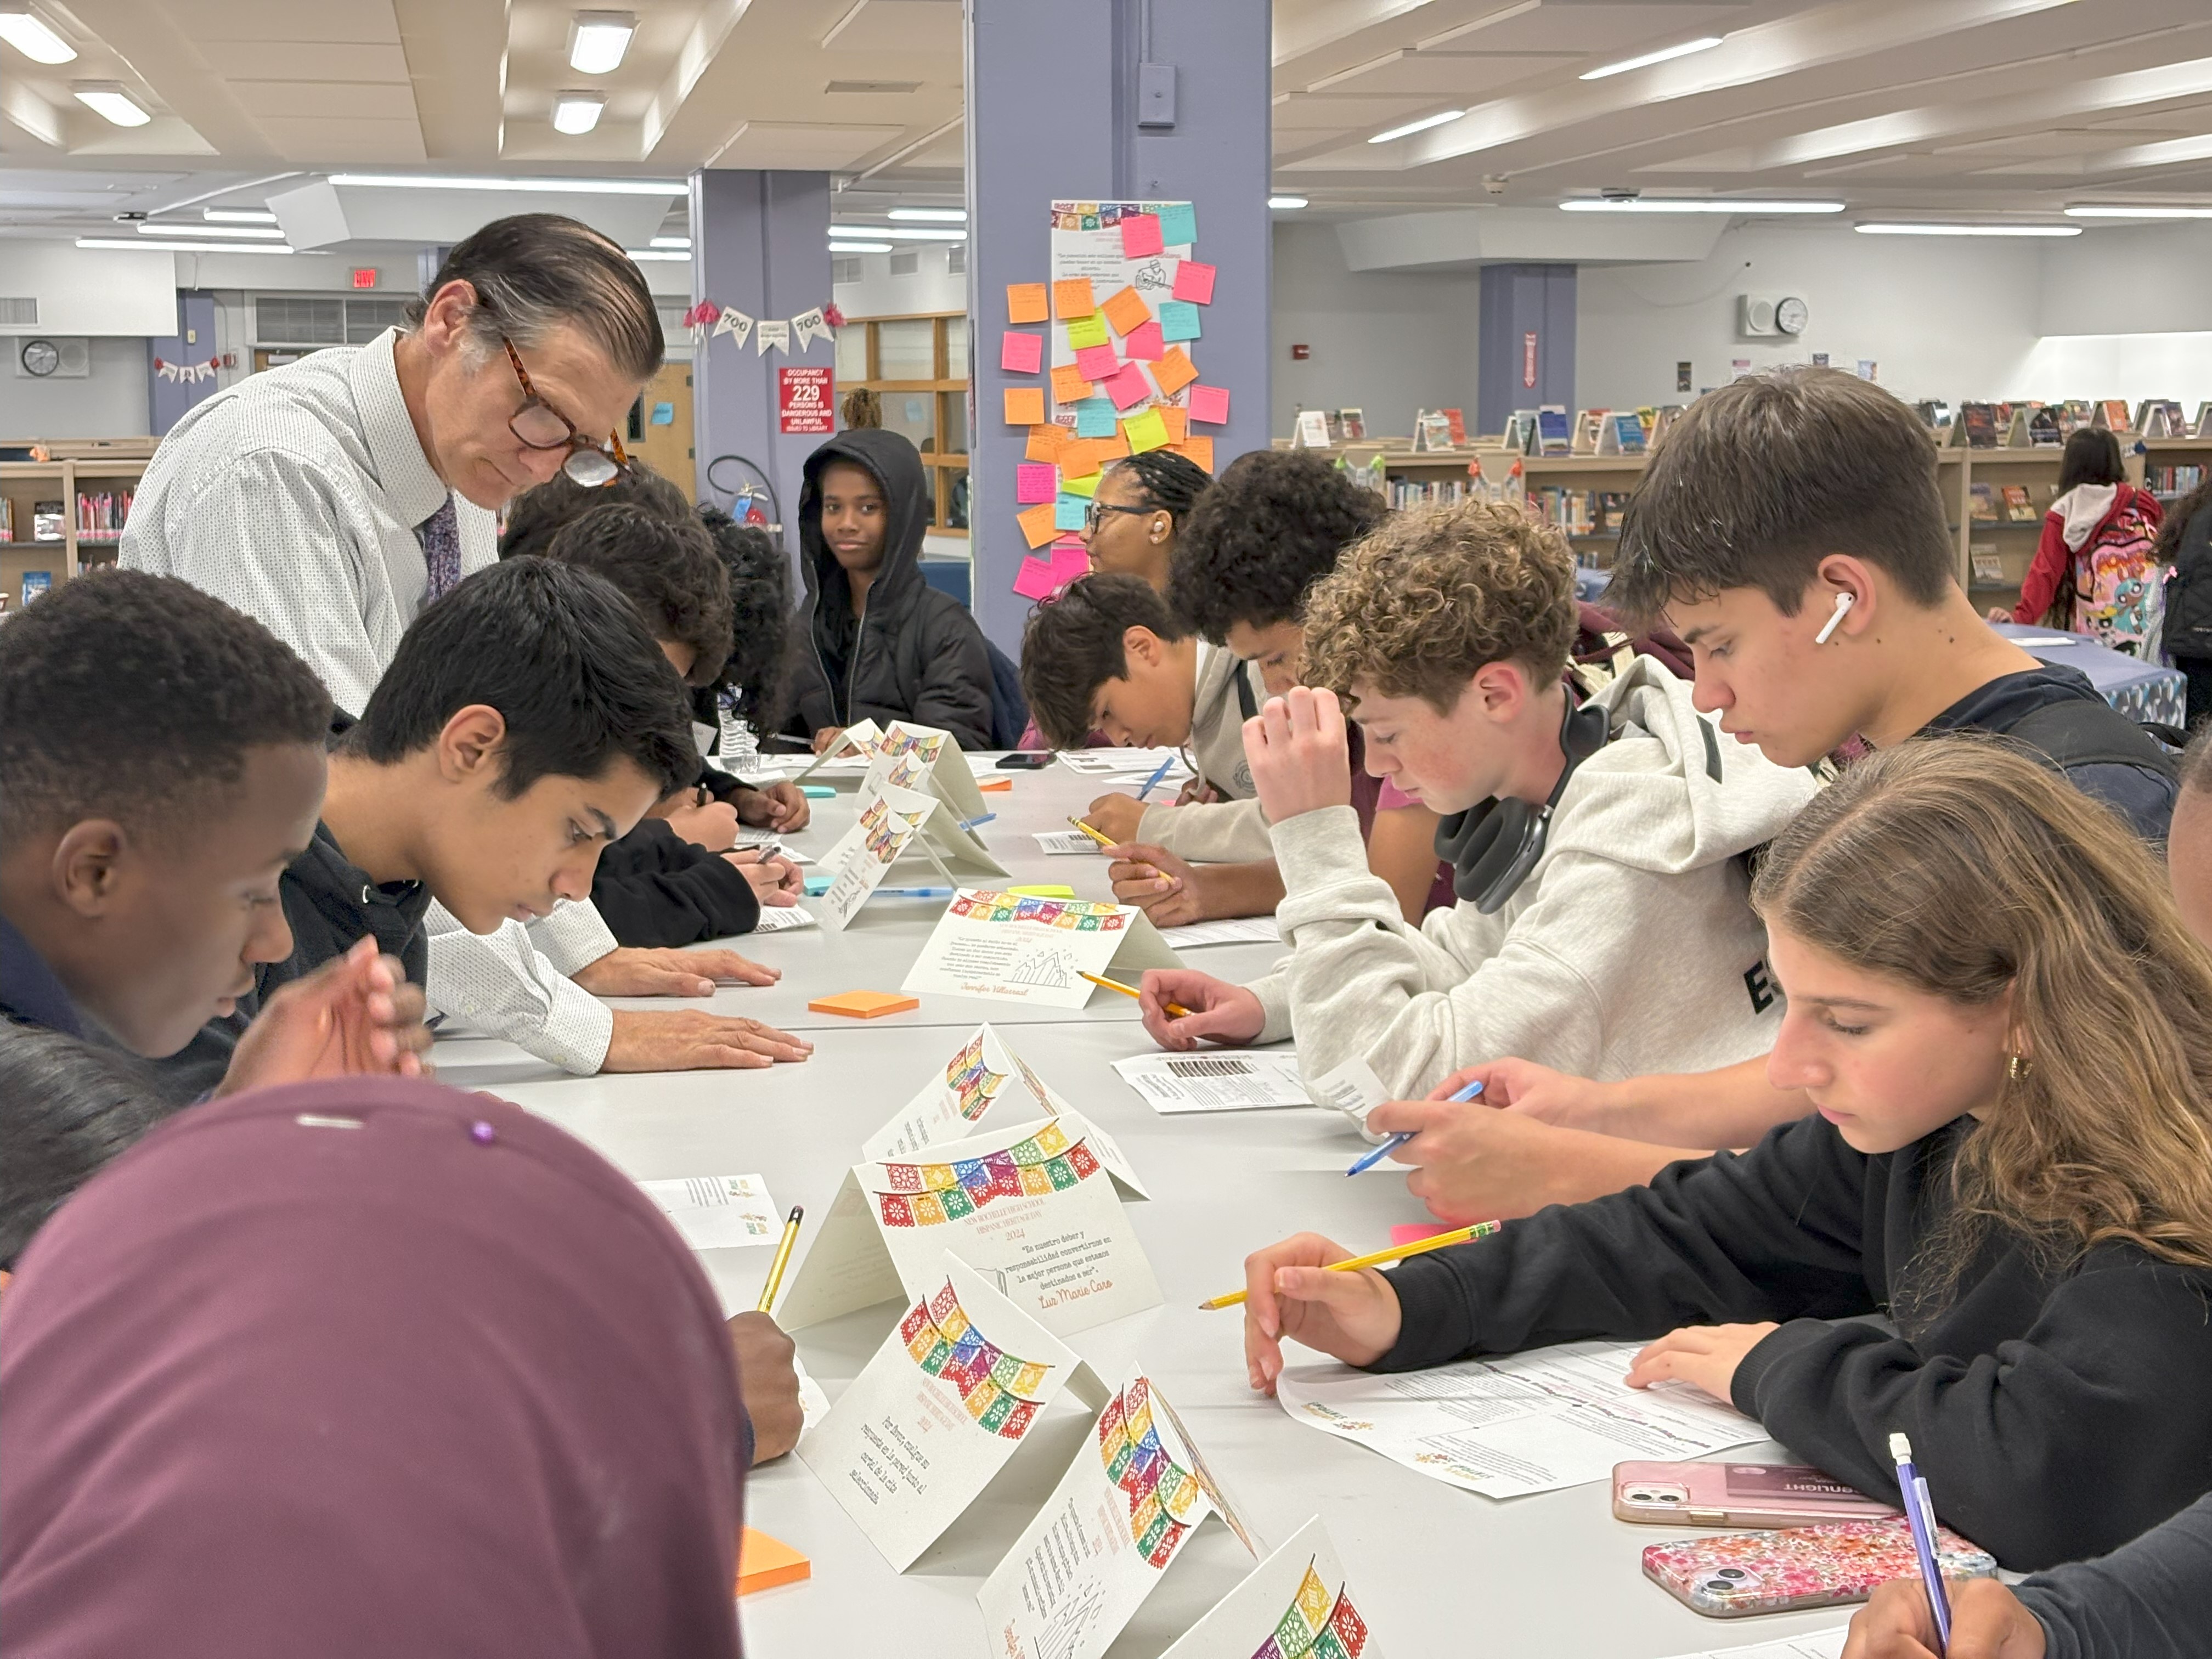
1115 816
1987 1621
1352 1317
1218 1011
1473 1162
1156 881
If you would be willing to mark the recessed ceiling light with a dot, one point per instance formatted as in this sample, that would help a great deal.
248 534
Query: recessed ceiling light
2139 212
1421 126
214 233
564 186
238 215
1705 42
1286 203
899 233
31 35
1967 230
941 215
599 40
110 102
683 242
861 248
575 112
1687 205
183 247
642 254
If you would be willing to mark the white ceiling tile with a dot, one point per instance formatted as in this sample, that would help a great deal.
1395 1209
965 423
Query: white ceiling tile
802 145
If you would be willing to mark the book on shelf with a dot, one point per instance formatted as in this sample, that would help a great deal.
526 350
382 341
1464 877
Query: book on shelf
1621 434
1312 430
1554 436
1431 429
37 583
2111 414
2018 509
6 523
2045 428
1988 567
2076 415
2168 479
1979 422
46 521
1351 425
1590 423
1984 507
1521 432
2203 427
1456 419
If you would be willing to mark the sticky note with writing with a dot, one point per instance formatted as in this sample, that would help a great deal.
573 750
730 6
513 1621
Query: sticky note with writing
1140 236
1127 310
1178 224
1036 481
1046 441
1070 385
1194 282
1174 370
1127 386
1145 344
1025 302
1179 320
1069 512
1210 404
1177 422
1024 405
1096 362
1086 485
1146 430
1198 450
1037 527
1020 353
1070 297
1094 417
1085 331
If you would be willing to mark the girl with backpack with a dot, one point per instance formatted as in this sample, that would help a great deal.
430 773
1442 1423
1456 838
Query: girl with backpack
2096 569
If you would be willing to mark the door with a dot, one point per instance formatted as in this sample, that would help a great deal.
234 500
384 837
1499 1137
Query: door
168 397
660 429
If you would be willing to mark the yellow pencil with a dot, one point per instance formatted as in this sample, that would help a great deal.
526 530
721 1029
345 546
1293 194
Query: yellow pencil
1098 835
782 1258
1175 1009
1376 1258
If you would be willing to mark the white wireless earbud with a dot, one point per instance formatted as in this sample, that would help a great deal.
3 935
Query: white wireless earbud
1843 603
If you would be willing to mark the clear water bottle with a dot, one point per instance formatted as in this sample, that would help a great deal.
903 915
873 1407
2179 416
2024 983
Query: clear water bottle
740 747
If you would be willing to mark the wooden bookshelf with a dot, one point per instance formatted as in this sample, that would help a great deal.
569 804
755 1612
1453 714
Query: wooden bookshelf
2011 540
90 465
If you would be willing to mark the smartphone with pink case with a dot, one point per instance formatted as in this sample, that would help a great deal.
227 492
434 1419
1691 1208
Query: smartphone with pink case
1728 1575
1737 1495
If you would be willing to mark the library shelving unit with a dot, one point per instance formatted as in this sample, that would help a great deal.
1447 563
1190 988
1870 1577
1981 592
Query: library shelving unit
2164 463
1975 480
75 469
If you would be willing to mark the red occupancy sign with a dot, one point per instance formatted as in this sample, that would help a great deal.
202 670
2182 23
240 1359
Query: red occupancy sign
802 399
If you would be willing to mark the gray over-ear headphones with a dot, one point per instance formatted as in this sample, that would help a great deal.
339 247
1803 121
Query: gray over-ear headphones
1493 846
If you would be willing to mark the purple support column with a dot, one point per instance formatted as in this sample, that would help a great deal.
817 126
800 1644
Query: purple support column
1525 355
760 243
1053 113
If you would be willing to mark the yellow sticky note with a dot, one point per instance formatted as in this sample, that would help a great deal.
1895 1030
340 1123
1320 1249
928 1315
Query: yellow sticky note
1071 298
1068 385
1046 441
1197 449
1085 485
1025 302
1174 371
1037 527
1024 405
1127 312
1086 331
1177 422
1146 430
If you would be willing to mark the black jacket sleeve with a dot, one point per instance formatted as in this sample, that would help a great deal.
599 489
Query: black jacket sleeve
2151 1599
654 888
955 688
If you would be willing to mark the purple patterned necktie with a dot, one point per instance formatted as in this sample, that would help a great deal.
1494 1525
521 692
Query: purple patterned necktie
441 536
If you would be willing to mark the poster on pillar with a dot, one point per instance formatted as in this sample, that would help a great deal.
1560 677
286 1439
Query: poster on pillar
802 399
1131 252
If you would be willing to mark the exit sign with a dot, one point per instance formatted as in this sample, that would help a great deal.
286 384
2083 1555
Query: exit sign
365 277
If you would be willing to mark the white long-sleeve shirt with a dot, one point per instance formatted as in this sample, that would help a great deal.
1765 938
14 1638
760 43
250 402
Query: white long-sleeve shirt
514 983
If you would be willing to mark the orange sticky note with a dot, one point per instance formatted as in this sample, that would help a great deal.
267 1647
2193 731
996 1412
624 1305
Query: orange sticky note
764 1562
1025 405
1068 385
1046 442
1127 311
1037 524
864 1005
1174 371
1177 422
1079 457
990 784
1197 449
1111 449
1025 302
1071 298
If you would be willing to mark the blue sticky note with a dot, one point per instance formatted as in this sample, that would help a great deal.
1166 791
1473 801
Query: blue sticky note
817 885
1094 418
664 415
1178 223
1067 513
1178 320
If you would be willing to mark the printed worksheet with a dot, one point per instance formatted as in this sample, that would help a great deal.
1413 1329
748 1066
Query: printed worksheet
886 826
1065 843
1215 1081
715 1213
938 1411
1517 1423
1134 1494
1015 949
1820 1644
1235 930
1033 1207
1117 763
1295 1605
784 918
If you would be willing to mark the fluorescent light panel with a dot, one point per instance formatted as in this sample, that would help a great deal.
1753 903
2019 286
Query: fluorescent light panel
860 247
110 102
1686 204
215 233
577 112
1286 203
564 186
2139 212
1967 230
238 215
183 247
642 254
940 215
899 233
682 242
1704 43
1421 126
599 39
31 35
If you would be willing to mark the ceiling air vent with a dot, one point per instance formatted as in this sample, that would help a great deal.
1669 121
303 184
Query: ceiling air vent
873 86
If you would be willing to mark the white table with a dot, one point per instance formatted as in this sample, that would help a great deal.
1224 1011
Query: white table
1438 1570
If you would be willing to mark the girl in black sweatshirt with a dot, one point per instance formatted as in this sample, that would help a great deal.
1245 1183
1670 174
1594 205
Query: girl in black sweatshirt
2006 1032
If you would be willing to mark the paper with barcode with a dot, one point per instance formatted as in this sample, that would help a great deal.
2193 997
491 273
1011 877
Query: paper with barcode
1065 843
783 918
713 1212
1215 1082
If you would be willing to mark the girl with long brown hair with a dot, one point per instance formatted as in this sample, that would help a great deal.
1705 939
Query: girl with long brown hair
2006 1035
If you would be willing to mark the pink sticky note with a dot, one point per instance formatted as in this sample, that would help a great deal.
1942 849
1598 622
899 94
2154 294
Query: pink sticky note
1210 404
1194 281
1141 235
1145 345
1020 353
1069 559
1036 481
1034 580
1128 386
1097 362
1042 576
1413 1232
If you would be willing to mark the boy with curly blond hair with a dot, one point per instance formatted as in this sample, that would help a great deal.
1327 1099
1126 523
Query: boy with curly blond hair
1603 921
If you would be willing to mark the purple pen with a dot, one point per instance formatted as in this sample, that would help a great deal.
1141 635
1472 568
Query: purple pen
1920 1516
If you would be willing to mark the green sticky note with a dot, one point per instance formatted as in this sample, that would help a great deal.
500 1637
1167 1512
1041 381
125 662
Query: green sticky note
1068 511
1086 331
1094 418
1085 486
1178 320
1146 430
1178 223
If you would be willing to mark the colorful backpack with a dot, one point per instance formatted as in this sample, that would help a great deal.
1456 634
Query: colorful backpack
2114 589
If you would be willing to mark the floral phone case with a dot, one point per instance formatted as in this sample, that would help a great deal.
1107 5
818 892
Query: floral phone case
1731 1574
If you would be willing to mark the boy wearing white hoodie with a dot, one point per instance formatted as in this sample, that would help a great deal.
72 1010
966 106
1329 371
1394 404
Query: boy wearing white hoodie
1603 921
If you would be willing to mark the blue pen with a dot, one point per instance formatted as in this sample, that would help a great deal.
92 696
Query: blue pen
1153 782
1920 1516
980 817
917 892
1405 1135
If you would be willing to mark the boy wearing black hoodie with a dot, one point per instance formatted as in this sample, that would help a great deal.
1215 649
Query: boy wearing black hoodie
884 645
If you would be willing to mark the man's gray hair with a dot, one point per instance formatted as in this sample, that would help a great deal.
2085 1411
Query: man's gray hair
537 271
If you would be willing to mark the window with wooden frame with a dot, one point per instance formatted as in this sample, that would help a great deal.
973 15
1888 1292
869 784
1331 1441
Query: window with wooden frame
917 367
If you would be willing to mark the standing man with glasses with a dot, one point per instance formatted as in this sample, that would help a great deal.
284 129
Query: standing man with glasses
333 498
